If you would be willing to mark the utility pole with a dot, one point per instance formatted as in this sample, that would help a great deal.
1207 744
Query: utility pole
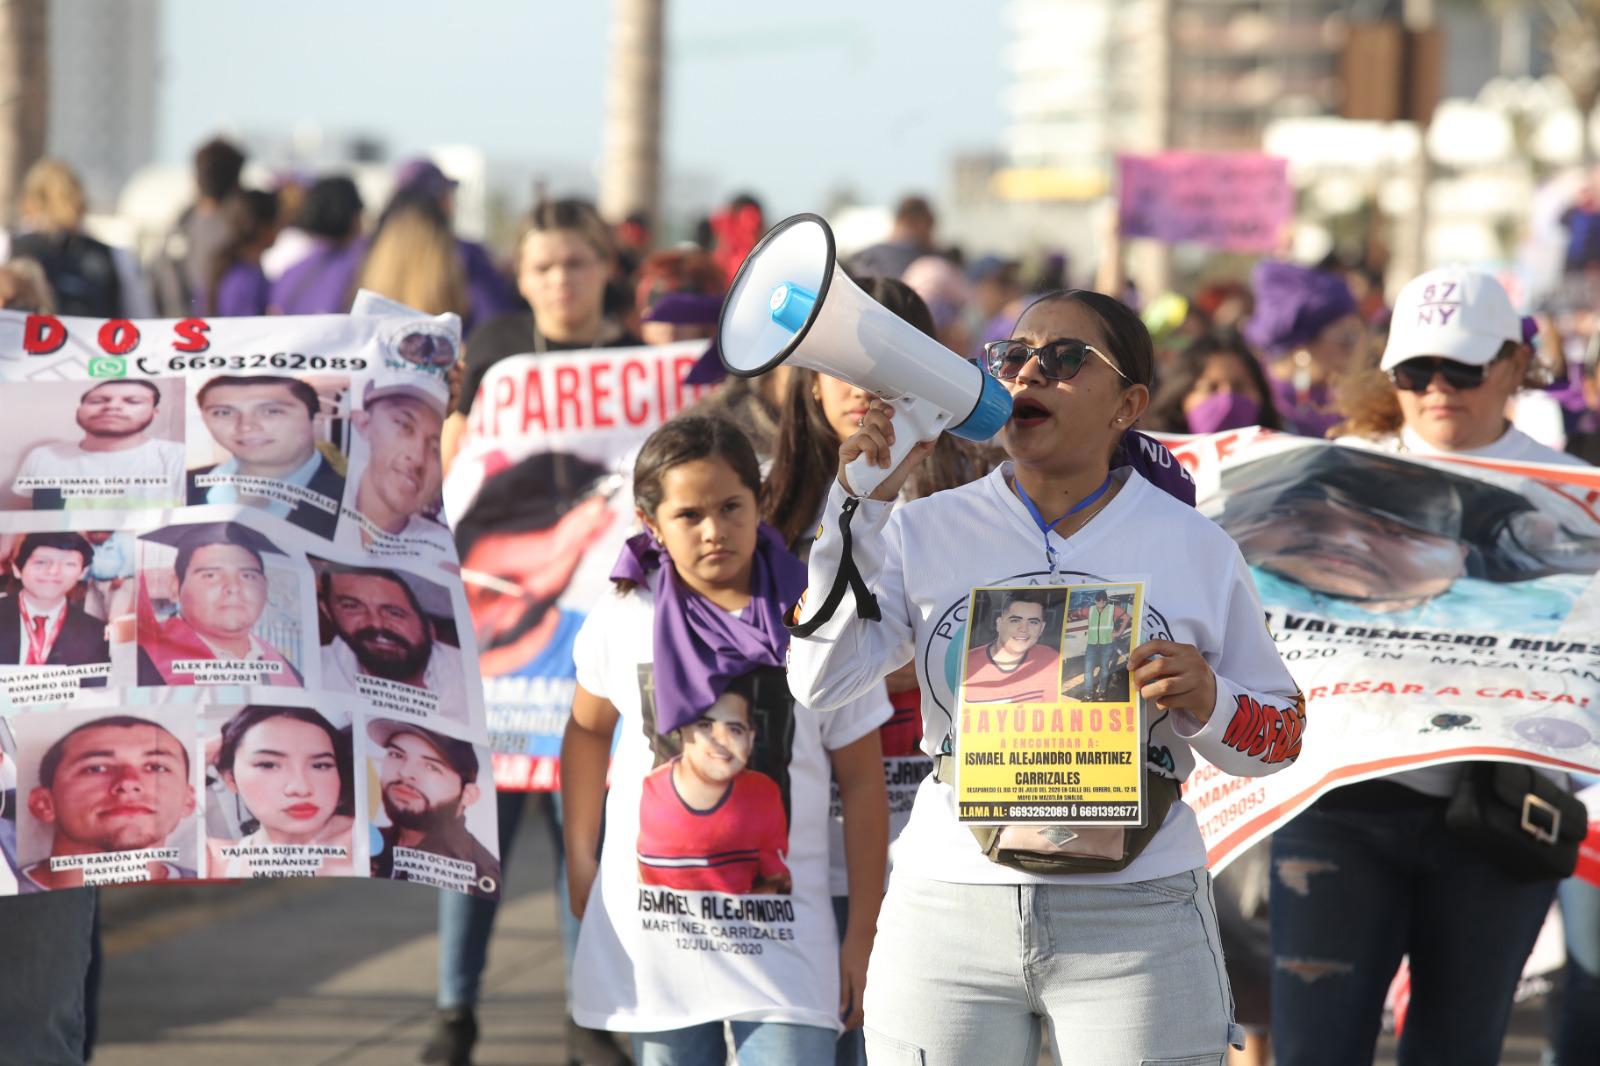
630 177
24 95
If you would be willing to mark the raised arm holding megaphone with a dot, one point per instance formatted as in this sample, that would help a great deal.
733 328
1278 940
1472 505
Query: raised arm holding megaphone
791 303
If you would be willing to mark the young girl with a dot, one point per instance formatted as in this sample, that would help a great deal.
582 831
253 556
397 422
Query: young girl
708 901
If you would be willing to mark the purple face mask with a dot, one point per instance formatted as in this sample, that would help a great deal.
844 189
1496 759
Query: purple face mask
1223 410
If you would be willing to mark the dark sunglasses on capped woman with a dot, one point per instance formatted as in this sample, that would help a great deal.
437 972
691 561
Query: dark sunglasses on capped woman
1058 360
1415 375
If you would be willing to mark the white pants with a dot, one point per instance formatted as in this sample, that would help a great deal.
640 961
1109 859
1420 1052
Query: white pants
1124 975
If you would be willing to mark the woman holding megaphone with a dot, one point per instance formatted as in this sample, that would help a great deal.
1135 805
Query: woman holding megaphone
1108 934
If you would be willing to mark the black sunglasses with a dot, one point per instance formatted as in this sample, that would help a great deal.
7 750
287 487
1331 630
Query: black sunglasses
1058 360
1415 375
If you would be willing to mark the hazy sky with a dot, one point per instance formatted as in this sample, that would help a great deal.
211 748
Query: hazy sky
869 94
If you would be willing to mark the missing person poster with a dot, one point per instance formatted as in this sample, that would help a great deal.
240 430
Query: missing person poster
541 497
1432 610
234 642
1050 731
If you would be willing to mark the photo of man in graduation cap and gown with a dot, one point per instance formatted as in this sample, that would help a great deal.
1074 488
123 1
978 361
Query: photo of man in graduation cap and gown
221 595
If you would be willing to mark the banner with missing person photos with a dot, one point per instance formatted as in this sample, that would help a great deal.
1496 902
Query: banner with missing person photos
234 641
1431 610
541 498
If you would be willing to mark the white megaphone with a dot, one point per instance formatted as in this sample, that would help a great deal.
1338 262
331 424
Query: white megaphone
791 303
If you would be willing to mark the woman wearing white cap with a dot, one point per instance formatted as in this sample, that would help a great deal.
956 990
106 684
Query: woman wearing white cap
1370 873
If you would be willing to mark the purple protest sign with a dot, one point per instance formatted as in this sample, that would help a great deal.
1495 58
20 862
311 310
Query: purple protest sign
1237 201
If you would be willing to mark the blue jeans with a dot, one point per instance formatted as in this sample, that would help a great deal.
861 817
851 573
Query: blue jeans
1352 892
1121 974
754 1044
46 943
1097 658
1577 1039
466 922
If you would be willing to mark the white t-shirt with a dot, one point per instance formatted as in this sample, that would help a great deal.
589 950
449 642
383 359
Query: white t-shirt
923 560
158 464
1513 446
656 954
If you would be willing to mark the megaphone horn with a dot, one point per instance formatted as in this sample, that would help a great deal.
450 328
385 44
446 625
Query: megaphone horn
791 303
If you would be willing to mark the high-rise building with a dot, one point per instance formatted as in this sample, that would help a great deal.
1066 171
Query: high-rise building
104 67
1091 78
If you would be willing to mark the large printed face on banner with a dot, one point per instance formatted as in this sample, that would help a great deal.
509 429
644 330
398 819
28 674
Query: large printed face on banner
522 542
56 618
280 788
714 815
1362 535
276 445
219 604
110 798
398 428
389 635
436 825
107 445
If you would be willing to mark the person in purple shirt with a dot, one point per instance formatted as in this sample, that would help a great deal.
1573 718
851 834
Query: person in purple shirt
237 286
489 293
1307 323
322 282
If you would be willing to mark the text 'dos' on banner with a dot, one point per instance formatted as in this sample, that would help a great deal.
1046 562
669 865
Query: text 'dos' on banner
233 637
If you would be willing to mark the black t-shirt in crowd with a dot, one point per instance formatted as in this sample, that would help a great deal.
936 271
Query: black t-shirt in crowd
508 335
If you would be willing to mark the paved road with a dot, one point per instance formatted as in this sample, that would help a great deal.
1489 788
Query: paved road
319 973
342 974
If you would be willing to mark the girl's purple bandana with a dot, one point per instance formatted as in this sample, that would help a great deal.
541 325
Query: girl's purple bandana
699 647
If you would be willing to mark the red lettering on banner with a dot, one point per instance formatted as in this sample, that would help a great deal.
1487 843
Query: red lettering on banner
191 335
634 416
118 337
600 395
43 335
532 402
680 370
1225 445
568 382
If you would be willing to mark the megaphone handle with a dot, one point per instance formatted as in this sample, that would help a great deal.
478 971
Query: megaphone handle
914 422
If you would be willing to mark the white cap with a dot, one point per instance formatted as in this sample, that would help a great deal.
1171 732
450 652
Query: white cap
1453 313
417 386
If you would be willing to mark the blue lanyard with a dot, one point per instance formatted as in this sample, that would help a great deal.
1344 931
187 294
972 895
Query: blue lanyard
1046 527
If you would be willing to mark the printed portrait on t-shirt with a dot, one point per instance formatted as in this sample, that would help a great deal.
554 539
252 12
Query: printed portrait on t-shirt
714 815
1358 536
87 445
275 442
1094 651
1014 645
58 621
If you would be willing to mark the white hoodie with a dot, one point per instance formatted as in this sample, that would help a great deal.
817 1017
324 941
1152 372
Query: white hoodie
922 560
